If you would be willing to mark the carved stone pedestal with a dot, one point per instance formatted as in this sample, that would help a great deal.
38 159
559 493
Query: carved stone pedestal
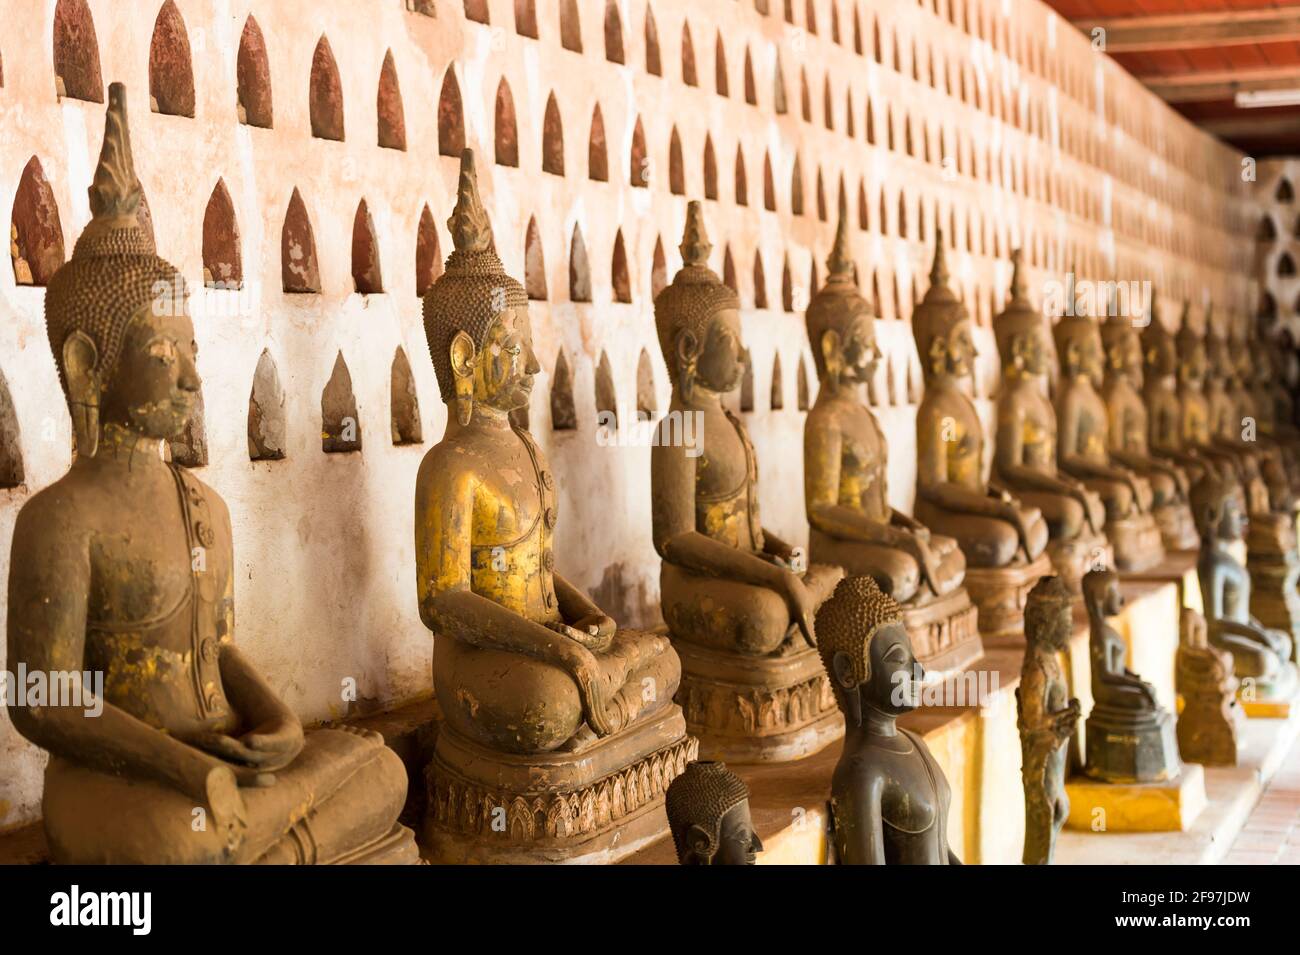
596 804
396 848
1177 527
1136 541
1124 746
757 709
944 632
999 594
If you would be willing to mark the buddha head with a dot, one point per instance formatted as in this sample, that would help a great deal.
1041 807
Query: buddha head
1121 345
1216 509
866 651
1191 351
1078 343
1021 330
1220 365
841 324
476 317
698 319
941 325
708 815
117 315
1049 614
1101 593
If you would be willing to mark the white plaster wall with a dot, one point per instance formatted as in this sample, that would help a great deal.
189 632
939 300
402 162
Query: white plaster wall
324 542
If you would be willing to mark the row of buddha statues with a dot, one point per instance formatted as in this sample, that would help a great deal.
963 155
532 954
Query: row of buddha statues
562 733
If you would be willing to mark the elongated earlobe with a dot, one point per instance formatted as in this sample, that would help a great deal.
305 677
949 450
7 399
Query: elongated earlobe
463 356
79 359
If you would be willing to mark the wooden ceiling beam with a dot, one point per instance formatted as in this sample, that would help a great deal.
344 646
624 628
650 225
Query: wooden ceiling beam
1253 128
1183 30
1220 85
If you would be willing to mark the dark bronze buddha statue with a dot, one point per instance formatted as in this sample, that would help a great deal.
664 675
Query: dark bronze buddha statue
708 814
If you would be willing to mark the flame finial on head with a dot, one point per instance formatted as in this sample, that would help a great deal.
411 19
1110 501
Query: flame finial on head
1019 286
695 247
471 230
115 192
839 265
939 268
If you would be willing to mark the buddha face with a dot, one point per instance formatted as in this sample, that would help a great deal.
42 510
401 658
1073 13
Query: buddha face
1232 523
156 383
858 353
503 373
1161 354
1052 623
896 676
1192 369
722 356
738 843
959 349
1031 351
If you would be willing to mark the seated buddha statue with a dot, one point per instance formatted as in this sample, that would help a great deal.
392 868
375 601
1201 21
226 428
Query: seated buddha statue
708 814
542 694
1129 736
1025 453
1210 719
1129 429
889 796
1227 419
124 567
1160 393
1196 433
1083 449
1261 655
1255 420
1260 376
1002 537
852 522
739 602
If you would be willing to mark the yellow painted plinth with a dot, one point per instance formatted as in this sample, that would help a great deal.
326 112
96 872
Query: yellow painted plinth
1169 806
1263 706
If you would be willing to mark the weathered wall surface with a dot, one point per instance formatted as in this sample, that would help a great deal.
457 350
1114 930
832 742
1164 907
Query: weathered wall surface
993 121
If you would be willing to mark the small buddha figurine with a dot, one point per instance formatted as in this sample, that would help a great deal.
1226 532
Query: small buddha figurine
889 797
1084 447
1046 717
739 602
1260 655
845 481
1002 537
1258 419
1261 377
1129 735
1210 721
1025 454
532 677
708 814
1129 428
125 567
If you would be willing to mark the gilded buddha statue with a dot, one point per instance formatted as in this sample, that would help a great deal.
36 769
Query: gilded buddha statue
1228 424
1196 434
1257 419
1002 537
739 604
124 567
1129 431
1129 735
1160 393
845 482
889 797
1046 717
1210 719
708 814
1083 449
1025 452
1261 655
560 732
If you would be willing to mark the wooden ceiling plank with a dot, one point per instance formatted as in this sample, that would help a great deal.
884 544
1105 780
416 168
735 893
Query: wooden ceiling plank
1204 86
1175 31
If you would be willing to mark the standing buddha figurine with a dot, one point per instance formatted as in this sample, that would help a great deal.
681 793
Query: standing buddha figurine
739 601
1210 720
1129 429
560 733
1025 453
125 567
1046 717
852 522
1002 537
